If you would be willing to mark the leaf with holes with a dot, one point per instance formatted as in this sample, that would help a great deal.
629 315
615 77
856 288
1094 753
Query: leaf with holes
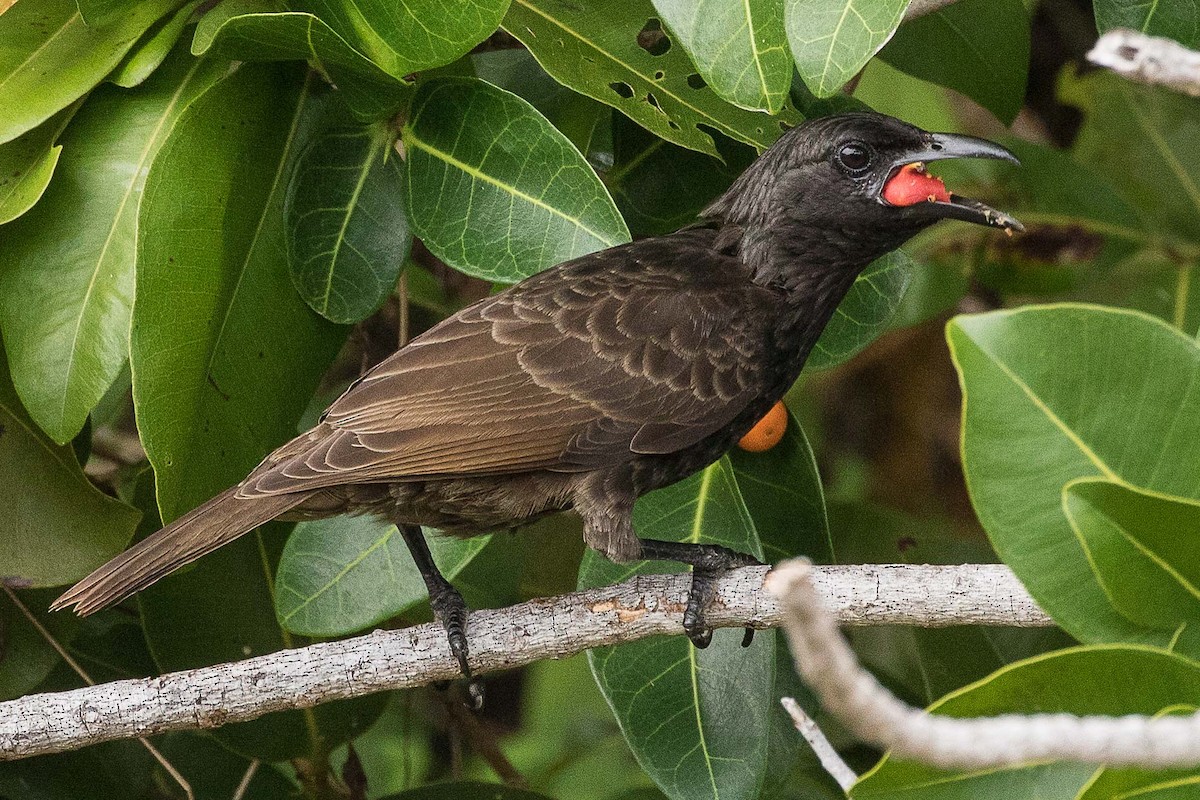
413 36
833 39
597 49
339 576
49 57
347 235
697 720
865 311
242 30
1147 142
494 190
65 300
740 49
981 47
1111 681
1053 394
1179 20
1142 548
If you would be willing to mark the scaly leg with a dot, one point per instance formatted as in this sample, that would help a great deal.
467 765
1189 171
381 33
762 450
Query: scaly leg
448 605
709 562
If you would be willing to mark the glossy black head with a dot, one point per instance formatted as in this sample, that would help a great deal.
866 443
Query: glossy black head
822 190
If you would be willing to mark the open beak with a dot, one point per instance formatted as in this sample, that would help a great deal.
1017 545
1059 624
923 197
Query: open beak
908 184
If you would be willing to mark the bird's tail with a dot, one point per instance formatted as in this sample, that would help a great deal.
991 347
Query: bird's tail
200 531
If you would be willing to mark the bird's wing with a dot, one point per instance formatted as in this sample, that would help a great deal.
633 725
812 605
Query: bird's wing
643 349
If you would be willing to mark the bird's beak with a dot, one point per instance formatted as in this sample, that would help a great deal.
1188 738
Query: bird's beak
907 183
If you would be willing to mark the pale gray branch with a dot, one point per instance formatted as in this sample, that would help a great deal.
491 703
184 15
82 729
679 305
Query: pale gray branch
547 628
869 711
1148 59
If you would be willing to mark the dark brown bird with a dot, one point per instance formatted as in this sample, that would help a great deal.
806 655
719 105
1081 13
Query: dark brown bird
600 379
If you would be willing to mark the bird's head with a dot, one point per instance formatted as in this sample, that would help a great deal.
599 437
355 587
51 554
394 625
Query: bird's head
851 187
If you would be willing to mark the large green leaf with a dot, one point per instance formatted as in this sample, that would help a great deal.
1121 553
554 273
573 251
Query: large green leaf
865 311
65 300
1178 20
616 52
833 39
154 48
223 349
412 36
58 526
26 165
1056 393
49 57
225 355
1110 681
347 235
697 720
979 47
245 31
1142 548
494 190
1147 141
341 575
740 49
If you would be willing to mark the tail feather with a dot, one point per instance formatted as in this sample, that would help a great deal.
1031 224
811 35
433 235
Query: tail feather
197 533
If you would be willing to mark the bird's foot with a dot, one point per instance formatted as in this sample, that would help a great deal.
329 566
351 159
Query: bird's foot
451 611
709 562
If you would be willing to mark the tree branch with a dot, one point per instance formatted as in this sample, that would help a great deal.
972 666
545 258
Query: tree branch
209 697
1146 59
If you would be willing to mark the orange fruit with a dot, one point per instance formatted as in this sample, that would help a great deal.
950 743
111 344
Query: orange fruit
767 432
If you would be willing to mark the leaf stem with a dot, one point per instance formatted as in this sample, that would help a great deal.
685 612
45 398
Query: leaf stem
1183 285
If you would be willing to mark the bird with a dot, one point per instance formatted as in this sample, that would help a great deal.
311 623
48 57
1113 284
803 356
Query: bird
593 382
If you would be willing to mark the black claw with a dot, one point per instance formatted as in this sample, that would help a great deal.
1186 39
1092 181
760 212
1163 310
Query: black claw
748 637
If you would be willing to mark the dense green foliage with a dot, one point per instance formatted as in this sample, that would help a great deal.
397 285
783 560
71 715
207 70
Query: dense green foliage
214 215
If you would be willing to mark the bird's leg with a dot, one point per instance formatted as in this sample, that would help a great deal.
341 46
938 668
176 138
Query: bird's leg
447 603
709 562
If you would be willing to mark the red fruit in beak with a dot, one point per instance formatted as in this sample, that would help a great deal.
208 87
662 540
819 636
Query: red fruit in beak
912 184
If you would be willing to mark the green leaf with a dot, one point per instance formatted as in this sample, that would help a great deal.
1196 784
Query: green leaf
27 164
697 720
412 36
616 52
26 658
467 790
348 236
1147 141
1142 549
236 30
1179 20
740 49
223 349
833 39
341 575
153 49
660 187
865 311
1111 681
978 47
1126 783
1027 432
65 299
49 58
494 190
58 526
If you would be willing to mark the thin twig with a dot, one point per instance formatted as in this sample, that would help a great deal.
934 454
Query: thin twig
873 714
649 605
82 673
838 769
482 741
244 785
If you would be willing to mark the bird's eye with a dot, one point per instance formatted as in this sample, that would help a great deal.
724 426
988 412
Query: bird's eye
854 156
